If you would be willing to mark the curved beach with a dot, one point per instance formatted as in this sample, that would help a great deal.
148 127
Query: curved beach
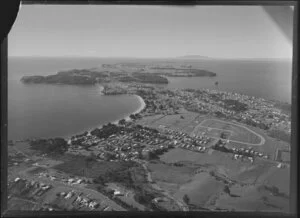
141 107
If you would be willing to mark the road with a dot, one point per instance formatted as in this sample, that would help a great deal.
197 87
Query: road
262 139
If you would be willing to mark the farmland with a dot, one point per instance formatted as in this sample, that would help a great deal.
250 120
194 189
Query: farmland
206 189
179 122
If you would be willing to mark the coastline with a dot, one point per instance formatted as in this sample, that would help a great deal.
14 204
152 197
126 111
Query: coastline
141 107
126 117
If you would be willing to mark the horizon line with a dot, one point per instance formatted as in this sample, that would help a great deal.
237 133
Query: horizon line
177 57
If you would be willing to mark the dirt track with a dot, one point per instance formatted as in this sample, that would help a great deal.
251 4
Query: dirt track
262 139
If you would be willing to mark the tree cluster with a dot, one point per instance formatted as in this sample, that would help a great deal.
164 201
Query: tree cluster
56 145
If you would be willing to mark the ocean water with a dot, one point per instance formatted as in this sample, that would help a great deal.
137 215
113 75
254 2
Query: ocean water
43 110
267 79
39 110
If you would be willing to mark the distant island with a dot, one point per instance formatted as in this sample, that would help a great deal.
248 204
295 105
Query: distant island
194 57
126 73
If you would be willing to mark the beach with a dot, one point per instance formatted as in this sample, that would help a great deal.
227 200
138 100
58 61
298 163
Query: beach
141 107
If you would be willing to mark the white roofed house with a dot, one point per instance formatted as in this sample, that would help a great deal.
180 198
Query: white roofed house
118 193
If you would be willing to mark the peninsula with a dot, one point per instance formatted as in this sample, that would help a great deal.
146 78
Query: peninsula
125 73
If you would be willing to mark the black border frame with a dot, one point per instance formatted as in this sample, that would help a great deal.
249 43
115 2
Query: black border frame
294 124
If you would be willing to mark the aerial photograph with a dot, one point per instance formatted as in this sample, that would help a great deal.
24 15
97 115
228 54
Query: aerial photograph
150 108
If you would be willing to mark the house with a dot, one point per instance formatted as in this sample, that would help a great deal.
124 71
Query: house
78 199
93 204
78 181
84 201
52 177
45 187
70 180
118 193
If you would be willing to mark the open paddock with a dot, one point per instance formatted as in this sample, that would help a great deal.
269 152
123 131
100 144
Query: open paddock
200 189
149 120
18 204
252 198
170 174
284 156
279 178
176 122
239 170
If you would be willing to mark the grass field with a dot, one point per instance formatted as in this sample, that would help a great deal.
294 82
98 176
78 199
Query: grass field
16 204
181 180
252 198
171 174
223 163
281 179
284 156
77 166
149 120
200 189
238 133
177 122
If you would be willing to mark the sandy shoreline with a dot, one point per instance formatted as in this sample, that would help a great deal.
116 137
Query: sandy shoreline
141 107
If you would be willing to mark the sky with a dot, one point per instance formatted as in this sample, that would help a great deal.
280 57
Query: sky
146 32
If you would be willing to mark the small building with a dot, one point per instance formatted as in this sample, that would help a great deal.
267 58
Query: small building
118 193
70 180
69 195
93 204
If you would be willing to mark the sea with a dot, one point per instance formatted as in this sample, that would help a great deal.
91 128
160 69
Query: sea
44 110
